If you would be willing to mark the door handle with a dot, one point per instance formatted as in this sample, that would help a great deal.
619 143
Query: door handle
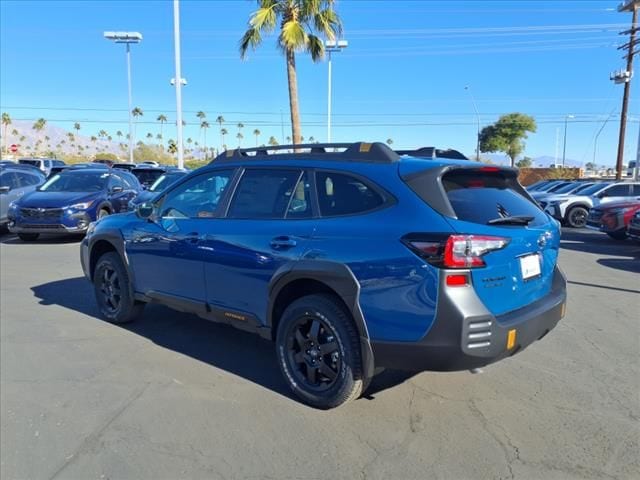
283 242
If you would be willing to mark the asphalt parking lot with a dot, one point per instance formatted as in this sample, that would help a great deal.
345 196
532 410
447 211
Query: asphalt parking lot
174 396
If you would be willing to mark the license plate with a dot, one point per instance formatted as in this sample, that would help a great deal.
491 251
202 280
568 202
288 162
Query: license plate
530 266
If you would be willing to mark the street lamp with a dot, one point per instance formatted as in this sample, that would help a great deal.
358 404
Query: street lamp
331 46
127 38
475 108
564 142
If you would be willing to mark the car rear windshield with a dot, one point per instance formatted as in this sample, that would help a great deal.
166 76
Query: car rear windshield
76 182
35 163
147 177
481 198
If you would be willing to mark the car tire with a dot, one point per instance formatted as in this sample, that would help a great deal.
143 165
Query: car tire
103 212
112 290
28 237
618 235
318 349
577 217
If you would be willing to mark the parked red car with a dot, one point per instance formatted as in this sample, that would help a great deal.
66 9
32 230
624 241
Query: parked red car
613 218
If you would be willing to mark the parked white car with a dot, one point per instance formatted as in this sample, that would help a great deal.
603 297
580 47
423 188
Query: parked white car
573 210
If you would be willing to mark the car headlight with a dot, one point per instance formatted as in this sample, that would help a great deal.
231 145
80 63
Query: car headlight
82 206
13 208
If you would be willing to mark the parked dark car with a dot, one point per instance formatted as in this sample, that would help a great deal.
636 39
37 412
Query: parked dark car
613 218
124 166
348 256
147 174
15 181
70 200
160 185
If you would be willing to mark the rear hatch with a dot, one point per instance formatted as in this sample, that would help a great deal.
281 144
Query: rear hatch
481 201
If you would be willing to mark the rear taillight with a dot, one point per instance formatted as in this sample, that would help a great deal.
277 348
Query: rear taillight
466 251
456 251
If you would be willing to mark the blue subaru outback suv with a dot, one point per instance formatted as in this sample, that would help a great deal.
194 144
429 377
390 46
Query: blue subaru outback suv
350 257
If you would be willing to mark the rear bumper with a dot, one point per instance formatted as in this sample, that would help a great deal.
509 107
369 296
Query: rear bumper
465 335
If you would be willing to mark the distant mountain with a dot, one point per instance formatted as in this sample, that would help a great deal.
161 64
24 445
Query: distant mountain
57 139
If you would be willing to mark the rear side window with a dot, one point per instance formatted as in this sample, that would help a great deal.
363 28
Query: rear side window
265 193
479 197
340 194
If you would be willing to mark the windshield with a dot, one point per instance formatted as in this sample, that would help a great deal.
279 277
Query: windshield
164 181
571 187
593 188
76 182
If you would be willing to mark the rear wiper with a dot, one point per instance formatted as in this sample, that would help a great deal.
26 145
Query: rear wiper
517 220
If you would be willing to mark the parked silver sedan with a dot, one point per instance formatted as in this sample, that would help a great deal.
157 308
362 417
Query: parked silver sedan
15 181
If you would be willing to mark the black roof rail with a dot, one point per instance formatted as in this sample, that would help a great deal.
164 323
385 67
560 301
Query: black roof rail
376 152
433 152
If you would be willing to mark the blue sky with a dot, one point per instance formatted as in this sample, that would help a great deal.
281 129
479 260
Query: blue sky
402 76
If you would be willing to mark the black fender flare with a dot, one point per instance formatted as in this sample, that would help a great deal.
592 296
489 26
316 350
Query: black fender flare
341 280
114 237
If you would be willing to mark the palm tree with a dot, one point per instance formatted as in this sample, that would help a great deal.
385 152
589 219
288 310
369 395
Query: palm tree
119 135
109 137
38 126
102 134
162 119
303 24
76 126
239 136
94 138
15 132
257 133
311 139
149 136
189 142
6 121
220 121
201 115
203 127
272 141
223 132
389 141
136 112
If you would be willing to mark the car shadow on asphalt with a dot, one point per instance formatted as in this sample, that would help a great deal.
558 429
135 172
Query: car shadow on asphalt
599 243
240 353
11 239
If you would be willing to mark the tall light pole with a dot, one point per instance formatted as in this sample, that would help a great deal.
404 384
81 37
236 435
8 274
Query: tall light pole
331 46
178 84
127 38
475 108
564 142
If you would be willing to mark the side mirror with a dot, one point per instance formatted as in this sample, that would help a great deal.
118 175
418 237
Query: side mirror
144 210
5 189
116 189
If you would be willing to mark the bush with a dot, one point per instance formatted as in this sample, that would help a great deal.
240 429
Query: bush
107 156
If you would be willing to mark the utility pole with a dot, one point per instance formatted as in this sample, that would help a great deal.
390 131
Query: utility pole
625 77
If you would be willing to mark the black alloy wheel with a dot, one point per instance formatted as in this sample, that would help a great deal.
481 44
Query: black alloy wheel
110 288
313 353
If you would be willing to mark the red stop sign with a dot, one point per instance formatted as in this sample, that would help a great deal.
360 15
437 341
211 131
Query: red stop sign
13 148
